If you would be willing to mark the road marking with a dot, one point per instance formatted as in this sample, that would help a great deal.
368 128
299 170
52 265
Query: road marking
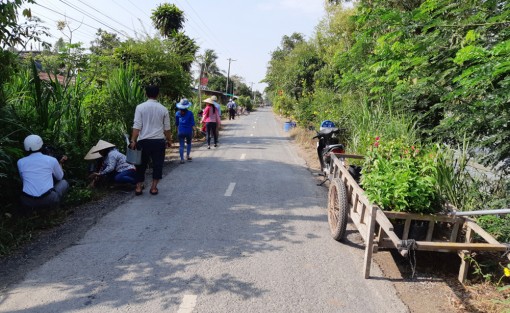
188 304
253 126
248 141
251 135
230 189
243 156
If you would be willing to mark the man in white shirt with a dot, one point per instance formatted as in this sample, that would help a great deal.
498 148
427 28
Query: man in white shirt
231 106
151 127
42 176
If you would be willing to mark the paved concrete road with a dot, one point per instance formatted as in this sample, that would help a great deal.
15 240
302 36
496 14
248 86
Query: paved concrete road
242 228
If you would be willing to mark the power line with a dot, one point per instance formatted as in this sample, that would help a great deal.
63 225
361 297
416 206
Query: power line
139 8
106 16
64 15
92 17
222 45
34 13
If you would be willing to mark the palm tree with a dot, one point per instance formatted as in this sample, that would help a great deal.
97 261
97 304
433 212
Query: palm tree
209 60
168 19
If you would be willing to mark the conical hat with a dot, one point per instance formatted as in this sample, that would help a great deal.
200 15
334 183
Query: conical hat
92 155
209 100
101 145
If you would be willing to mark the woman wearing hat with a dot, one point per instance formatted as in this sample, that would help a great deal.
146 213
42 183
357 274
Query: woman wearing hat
184 120
211 117
115 166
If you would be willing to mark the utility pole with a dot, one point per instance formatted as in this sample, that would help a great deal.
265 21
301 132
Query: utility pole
200 85
253 92
228 74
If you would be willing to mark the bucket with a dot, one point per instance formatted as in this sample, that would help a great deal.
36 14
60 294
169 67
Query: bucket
287 126
133 156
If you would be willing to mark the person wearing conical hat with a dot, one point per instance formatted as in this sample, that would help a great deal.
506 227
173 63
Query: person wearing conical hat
115 168
212 120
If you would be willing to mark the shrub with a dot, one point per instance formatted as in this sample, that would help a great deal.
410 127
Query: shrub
400 177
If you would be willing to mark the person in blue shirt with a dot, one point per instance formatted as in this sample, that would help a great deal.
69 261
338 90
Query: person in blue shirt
184 121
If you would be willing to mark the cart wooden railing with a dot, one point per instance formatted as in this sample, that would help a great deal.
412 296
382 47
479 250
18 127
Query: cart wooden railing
378 231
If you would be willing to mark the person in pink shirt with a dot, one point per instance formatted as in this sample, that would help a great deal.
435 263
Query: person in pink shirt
211 118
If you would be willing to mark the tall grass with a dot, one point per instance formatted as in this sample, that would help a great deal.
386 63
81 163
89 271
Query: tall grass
367 121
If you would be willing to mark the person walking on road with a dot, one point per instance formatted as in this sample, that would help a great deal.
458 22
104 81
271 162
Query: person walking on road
150 128
212 119
218 107
184 121
231 106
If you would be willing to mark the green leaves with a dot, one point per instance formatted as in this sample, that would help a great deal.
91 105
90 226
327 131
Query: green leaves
400 178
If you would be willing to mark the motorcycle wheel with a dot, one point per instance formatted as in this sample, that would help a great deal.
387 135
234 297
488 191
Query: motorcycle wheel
338 209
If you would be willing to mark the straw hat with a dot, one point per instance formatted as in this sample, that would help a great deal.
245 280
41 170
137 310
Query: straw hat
101 145
92 155
214 98
209 100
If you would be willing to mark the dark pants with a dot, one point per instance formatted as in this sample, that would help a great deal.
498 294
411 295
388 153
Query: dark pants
211 130
50 200
231 114
152 150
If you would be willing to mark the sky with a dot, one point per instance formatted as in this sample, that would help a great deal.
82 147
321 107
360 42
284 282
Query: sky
246 31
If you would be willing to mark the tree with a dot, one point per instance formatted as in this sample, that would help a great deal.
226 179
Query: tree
155 61
168 19
104 43
208 59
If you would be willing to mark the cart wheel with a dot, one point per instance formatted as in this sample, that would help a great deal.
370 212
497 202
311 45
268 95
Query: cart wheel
338 209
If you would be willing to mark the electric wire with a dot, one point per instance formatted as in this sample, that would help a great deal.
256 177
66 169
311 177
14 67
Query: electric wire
36 13
95 19
108 17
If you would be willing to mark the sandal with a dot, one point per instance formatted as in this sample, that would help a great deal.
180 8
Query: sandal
189 159
138 192
182 162
154 191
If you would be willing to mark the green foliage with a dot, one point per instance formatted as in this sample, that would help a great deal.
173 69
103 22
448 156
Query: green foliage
497 226
399 177
125 92
168 19
78 195
156 62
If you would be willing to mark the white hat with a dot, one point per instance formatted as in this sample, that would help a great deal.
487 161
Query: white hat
91 155
33 143
214 98
101 145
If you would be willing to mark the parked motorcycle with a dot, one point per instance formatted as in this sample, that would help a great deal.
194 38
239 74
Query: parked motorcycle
327 145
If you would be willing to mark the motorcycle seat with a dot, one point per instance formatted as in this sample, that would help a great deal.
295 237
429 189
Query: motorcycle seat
328 130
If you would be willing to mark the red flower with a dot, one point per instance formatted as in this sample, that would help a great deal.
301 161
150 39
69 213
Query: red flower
376 144
377 138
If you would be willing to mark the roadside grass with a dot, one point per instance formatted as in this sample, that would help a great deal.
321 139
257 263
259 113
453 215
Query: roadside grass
17 230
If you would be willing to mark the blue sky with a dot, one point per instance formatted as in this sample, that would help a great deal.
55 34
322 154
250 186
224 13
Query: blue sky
244 30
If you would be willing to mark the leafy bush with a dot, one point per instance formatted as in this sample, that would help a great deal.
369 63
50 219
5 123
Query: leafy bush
400 177
497 226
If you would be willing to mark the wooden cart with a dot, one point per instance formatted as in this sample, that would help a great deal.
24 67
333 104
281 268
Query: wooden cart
346 198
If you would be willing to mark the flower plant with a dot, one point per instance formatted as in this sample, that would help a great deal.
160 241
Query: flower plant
400 177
